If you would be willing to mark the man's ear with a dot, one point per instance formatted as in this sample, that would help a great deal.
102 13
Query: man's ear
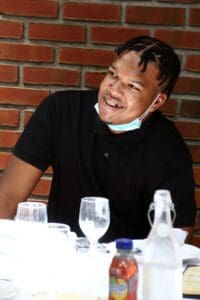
161 99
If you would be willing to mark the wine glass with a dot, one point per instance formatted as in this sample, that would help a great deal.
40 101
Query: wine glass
31 212
94 218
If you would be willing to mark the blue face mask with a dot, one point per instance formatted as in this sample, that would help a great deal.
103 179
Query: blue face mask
135 124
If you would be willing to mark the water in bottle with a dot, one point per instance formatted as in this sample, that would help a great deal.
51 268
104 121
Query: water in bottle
162 264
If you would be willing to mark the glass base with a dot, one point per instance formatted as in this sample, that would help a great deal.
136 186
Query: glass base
83 245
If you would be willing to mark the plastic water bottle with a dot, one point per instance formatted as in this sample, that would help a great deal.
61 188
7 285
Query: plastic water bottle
162 263
123 272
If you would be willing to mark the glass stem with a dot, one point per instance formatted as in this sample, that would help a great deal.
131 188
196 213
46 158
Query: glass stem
93 246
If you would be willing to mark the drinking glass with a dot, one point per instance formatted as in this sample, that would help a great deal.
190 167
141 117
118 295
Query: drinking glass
31 212
94 218
60 228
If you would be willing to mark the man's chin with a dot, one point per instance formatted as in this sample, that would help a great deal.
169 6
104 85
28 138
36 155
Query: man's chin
105 120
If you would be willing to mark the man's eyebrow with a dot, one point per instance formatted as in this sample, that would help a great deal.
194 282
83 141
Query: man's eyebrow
112 66
132 81
138 82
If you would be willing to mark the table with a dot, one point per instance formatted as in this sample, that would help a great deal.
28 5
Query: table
40 262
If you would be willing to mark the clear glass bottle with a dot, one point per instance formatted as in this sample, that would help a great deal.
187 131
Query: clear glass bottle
123 272
162 263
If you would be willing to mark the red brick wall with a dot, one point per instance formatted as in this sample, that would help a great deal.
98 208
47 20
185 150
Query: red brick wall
49 45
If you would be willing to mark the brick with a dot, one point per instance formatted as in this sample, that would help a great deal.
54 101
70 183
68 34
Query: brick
9 117
169 108
27 116
197 197
8 73
91 11
56 32
8 138
189 130
4 157
115 35
83 56
50 76
194 17
11 29
193 63
22 52
93 79
180 39
188 85
190 108
196 170
49 171
180 1
42 188
20 96
30 8
36 199
195 152
155 15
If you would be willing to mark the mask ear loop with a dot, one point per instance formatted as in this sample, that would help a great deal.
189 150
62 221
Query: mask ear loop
152 207
145 113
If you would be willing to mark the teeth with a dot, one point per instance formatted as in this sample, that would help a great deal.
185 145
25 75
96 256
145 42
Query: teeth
112 103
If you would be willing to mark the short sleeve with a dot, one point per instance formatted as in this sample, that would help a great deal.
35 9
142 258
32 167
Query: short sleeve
36 145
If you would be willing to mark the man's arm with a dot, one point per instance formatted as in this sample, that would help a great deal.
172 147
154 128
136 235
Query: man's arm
16 184
190 231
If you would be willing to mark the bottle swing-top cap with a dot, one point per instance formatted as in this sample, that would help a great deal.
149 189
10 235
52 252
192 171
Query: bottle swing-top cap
162 197
162 200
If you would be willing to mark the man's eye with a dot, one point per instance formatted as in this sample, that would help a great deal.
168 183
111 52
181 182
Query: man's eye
111 73
134 87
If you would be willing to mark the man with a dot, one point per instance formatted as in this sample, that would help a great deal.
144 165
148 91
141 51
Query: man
121 148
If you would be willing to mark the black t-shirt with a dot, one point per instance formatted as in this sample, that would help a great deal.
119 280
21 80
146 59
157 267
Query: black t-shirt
88 160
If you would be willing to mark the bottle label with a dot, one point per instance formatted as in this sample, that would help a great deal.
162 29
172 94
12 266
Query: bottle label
120 289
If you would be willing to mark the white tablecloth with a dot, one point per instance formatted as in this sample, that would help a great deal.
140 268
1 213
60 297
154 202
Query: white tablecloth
39 262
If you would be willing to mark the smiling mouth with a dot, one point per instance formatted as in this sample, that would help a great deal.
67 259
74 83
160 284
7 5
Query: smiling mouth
112 103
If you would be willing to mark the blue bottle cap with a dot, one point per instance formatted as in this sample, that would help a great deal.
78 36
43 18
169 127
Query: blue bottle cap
126 244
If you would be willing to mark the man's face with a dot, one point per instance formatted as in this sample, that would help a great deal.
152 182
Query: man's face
126 92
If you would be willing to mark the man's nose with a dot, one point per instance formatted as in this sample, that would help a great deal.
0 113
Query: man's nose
116 89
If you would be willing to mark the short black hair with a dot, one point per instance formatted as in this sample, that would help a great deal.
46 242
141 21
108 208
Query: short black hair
152 49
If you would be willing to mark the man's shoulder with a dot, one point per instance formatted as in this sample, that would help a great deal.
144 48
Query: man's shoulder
69 100
163 126
164 136
71 95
